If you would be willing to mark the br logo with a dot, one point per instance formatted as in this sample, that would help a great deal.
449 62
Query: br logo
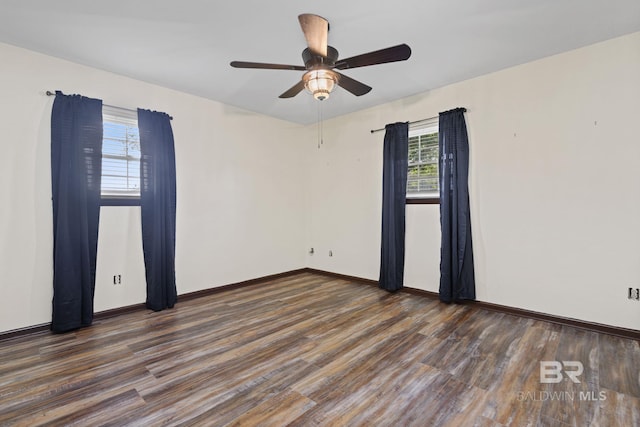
551 371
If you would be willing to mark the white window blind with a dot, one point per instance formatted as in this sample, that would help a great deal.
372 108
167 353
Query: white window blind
120 153
422 176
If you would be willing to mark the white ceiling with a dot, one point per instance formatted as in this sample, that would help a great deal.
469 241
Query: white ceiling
187 45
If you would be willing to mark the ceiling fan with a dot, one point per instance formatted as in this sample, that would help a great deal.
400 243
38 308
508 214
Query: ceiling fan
321 61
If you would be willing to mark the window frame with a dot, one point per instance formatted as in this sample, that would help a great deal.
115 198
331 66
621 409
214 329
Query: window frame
425 127
124 117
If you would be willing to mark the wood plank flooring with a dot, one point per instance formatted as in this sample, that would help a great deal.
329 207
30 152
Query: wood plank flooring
311 350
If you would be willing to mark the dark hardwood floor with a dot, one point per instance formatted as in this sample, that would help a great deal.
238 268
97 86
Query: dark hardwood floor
314 350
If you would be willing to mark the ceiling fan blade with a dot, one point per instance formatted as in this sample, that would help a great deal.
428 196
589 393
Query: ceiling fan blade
400 52
295 89
260 65
316 30
353 86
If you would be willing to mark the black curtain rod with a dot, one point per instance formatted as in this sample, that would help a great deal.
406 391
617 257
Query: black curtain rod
417 121
411 123
49 93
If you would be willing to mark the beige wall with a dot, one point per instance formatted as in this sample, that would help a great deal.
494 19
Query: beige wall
554 187
554 194
240 214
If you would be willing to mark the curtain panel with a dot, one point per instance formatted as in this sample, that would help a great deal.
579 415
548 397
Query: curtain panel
394 193
158 207
457 280
76 168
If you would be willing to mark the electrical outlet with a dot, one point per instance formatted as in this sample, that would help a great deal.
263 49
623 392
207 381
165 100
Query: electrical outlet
117 279
330 253
634 294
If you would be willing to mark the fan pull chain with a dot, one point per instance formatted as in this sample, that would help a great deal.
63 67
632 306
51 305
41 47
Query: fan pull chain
320 125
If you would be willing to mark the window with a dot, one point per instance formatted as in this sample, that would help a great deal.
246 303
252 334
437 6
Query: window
422 176
120 157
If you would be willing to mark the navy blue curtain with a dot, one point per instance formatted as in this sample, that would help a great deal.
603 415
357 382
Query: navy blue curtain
457 280
76 168
394 194
158 207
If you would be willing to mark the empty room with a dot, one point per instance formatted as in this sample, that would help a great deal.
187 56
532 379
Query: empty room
296 213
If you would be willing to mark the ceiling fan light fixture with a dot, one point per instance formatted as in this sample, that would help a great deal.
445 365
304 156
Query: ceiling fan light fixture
320 59
320 83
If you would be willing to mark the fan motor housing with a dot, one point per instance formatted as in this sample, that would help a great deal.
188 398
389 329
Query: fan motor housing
312 61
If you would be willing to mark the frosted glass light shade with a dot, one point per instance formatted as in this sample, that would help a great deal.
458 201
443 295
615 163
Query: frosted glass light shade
320 83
